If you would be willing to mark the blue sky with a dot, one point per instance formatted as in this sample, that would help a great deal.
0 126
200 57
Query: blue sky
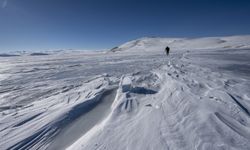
97 24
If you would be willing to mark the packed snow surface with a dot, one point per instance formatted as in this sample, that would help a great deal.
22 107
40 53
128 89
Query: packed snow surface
132 97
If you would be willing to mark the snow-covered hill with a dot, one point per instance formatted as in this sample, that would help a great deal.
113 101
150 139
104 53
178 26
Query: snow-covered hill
157 44
131 98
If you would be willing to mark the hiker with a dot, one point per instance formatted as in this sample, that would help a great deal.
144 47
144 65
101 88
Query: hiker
167 49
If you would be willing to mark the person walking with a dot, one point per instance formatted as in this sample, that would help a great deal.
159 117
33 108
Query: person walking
167 49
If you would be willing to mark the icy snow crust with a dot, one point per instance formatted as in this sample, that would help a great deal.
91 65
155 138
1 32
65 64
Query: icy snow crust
133 97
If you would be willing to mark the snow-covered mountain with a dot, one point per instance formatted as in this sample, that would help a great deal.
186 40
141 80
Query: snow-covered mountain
133 97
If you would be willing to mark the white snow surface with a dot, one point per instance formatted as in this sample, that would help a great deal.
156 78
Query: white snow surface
132 97
157 44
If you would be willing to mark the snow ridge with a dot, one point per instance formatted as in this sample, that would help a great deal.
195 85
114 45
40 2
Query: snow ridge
157 44
189 109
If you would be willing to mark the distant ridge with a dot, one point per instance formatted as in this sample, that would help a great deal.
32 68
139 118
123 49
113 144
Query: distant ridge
158 43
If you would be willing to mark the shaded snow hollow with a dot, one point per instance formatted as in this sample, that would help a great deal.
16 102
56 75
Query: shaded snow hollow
198 98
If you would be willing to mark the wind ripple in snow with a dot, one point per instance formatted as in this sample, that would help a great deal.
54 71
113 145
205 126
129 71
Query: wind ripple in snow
185 101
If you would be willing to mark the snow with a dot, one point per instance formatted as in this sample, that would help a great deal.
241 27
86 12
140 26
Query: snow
132 97
157 44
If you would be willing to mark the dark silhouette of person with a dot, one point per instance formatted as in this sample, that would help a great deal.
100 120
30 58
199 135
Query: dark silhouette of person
167 49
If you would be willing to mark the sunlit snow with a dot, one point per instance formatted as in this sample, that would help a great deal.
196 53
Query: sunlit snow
132 97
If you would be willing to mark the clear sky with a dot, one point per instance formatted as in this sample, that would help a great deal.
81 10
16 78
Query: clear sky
98 24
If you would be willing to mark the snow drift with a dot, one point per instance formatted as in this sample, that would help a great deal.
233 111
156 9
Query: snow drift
198 98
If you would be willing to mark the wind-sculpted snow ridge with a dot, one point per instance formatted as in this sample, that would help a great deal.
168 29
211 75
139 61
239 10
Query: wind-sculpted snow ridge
37 124
178 106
